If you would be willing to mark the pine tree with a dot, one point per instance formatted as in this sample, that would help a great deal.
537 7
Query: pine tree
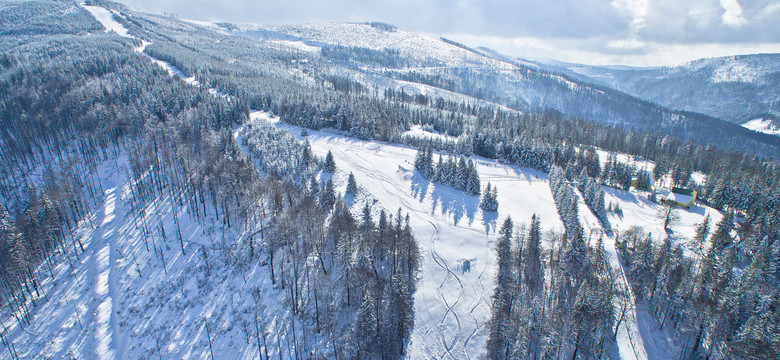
398 317
314 187
702 231
643 180
462 174
438 172
429 171
330 163
352 187
306 156
365 336
423 162
367 222
533 277
328 195
498 346
504 248
489 200
472 184
494 198
722 235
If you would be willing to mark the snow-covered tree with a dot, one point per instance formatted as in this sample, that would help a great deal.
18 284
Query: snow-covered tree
489 201
330 163
352 187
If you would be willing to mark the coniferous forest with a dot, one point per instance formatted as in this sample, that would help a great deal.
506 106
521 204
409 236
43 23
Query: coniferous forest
76 100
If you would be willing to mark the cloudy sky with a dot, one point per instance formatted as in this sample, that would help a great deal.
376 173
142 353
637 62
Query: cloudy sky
629 32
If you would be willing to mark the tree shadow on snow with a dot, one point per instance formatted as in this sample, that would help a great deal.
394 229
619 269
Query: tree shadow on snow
696 209
454 203
419 186
625 196
489 219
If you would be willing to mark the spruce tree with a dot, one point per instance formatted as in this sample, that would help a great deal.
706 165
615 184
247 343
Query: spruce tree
533 277
330 163
352 187
328 195
489 200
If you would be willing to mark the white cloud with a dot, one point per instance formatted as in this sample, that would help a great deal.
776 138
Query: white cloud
617 52
626 44
637 32
637 11
733 13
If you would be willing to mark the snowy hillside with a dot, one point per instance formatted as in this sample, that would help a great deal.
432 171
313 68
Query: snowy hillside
451 306
376 36
217 191
381 56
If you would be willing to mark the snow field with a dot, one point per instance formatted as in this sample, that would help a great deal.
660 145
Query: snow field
419 132
451 307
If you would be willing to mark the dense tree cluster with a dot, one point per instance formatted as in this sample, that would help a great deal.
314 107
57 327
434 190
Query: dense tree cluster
550 305
593 195
717 311
566 201
279 153
460 174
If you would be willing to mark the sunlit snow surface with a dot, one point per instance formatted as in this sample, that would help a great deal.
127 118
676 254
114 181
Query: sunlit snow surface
451 307
762 125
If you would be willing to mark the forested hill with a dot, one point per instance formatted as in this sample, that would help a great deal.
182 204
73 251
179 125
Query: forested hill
417 63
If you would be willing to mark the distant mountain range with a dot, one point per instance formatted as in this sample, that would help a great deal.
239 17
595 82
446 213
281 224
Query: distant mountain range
738 89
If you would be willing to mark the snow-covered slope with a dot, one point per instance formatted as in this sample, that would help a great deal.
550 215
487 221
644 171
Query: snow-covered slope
106 18
135 296
375 36
451 307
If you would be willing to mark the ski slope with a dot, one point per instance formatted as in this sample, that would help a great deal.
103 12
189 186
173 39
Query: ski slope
451 307
106 18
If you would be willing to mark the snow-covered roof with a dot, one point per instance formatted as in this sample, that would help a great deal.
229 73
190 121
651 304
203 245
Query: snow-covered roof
679 198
